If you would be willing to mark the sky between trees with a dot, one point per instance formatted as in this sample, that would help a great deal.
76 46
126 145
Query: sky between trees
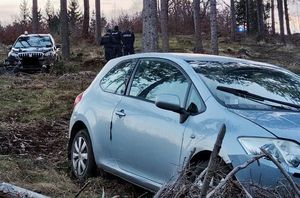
9 9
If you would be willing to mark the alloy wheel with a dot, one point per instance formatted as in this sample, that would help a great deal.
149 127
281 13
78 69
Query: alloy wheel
80 155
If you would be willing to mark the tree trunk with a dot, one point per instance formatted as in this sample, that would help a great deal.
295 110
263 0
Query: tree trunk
251 15
197 24
287 18
260 20
233 19
150 37
98 21
64 30
248 16
273 17
8 190
281 22
86 19
214 27
35 20
164 25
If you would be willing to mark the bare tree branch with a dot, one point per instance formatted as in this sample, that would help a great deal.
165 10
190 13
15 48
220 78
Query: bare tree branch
233 172
286 175
213 159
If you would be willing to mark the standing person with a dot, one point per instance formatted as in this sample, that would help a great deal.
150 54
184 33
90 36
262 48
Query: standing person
117 42
106 41
128 39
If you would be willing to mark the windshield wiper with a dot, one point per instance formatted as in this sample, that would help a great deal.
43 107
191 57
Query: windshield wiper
251 96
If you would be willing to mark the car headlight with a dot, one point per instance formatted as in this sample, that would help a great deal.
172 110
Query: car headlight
50 53
283 150
14 54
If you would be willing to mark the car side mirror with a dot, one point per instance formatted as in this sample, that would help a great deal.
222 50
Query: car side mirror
58 46
9 47
171 103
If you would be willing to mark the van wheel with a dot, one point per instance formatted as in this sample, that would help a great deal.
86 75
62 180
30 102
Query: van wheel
82 157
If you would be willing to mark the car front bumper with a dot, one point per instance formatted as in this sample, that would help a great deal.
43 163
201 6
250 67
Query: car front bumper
262 172
30 64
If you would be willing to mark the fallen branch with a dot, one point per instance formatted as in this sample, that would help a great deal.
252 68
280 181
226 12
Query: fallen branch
212 161
82 189
233 172
285 174
178 181
12 191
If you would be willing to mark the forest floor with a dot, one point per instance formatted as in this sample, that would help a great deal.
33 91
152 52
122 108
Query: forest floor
35 111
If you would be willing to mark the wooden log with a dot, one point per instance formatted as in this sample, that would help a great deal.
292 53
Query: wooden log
11 191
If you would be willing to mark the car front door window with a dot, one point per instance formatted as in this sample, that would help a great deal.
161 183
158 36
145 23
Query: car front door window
155 77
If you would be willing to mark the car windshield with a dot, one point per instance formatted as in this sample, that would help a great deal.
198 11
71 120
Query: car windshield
33 41
250 86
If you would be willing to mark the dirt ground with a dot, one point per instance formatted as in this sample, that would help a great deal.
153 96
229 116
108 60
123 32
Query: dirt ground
35 111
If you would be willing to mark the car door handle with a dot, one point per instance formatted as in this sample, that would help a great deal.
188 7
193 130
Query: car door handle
120 113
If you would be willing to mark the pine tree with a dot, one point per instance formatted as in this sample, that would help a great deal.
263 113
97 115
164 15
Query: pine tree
214 27
86 19
260 19
197 25
98 21
273 17
164 24
52 18
233 19
49 10
24 12
64 26
150 36
35 17
74 14
281 19
287 17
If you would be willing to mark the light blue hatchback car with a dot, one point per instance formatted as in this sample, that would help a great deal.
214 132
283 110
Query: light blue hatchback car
143 115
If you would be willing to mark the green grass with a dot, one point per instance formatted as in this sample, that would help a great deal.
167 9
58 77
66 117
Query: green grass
37 99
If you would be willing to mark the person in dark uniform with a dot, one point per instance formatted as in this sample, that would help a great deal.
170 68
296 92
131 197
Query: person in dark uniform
128 39
117 42
106 41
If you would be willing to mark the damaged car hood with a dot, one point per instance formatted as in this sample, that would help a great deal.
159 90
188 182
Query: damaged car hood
283 124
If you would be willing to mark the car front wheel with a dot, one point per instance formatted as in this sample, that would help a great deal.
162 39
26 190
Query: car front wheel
82 158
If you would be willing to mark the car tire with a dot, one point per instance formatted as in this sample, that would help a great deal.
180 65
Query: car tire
197 168
82 157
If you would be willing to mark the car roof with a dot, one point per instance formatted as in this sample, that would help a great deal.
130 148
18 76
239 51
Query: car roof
200 57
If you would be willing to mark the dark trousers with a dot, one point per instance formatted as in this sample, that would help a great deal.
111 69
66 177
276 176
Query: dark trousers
109 53
128 49
118 51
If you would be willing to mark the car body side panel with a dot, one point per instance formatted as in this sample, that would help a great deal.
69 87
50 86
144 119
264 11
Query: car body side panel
206 126
147 141
263 172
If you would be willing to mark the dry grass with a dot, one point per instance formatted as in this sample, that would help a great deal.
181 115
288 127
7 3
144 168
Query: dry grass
35 110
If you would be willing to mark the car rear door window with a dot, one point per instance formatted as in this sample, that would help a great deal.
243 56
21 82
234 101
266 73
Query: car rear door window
156 77
115 80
